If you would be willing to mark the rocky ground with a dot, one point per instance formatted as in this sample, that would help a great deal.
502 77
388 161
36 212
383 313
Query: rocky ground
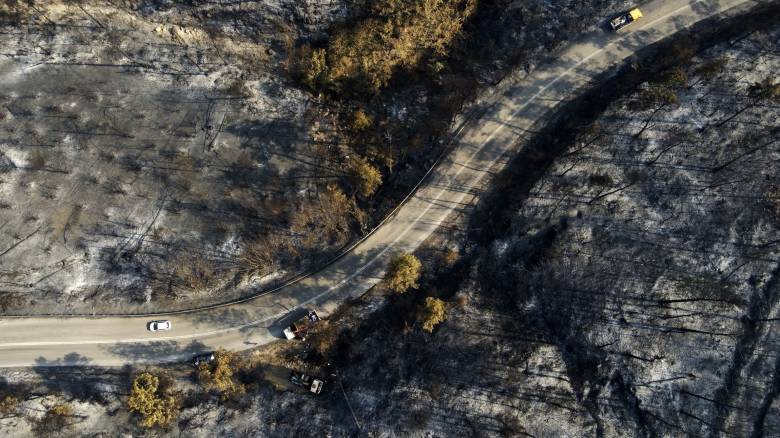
633 292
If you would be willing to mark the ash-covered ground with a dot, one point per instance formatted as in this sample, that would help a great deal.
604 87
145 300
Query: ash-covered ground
145 147
157 154
635 293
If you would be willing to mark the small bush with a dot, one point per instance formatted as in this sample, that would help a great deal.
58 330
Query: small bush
323 221
361 121
766 89
674 78
308 65
238 88
56 419
403 273
8 404
435 313
148 399
219 375
194 272
10 300
365 177
450 257
662 92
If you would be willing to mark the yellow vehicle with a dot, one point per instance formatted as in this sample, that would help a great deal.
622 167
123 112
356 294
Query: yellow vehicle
625 19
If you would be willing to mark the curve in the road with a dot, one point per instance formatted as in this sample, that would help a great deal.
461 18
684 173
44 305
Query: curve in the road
512 109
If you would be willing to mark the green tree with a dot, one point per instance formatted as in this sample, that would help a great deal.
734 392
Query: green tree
435 313
395 34
403 272
219 375
316 68
365 177
155 406
360 120
308 65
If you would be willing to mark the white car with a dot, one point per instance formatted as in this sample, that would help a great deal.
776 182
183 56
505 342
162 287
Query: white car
156 326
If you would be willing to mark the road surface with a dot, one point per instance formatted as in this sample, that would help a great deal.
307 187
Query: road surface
484 143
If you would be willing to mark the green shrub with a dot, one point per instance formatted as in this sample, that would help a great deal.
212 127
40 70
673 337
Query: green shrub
56 419
403 273
8 404
365 177
219 375
396 34
435 313
147 399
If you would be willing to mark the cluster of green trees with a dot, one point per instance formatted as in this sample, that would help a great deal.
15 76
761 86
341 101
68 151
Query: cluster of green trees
403 274
359 61
395 34
158 404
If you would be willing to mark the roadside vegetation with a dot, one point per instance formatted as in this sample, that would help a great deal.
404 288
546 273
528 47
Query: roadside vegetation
362 58
619 279
156 403
434 314
219 376
403 272
234 178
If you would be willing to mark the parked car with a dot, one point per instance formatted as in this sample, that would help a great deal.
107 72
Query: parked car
306 381
156 326
625 19
203 358
300 328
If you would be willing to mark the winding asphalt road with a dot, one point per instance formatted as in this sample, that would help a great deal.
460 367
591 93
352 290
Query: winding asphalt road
484 144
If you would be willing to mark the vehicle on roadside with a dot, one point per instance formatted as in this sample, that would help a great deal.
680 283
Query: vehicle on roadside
300 328
306 381
625 19
203 358
156 326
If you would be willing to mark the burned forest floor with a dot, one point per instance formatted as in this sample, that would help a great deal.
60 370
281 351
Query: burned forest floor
625 284
161 155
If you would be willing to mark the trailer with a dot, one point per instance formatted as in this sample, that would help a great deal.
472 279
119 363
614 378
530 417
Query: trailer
306 381
300 328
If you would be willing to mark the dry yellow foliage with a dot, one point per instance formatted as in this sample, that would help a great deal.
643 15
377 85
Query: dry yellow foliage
397 34
365 176
435 313
403 272
8 404
156 409
219 375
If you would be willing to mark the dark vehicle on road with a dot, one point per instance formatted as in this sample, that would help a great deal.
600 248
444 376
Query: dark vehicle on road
625 19
202 358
